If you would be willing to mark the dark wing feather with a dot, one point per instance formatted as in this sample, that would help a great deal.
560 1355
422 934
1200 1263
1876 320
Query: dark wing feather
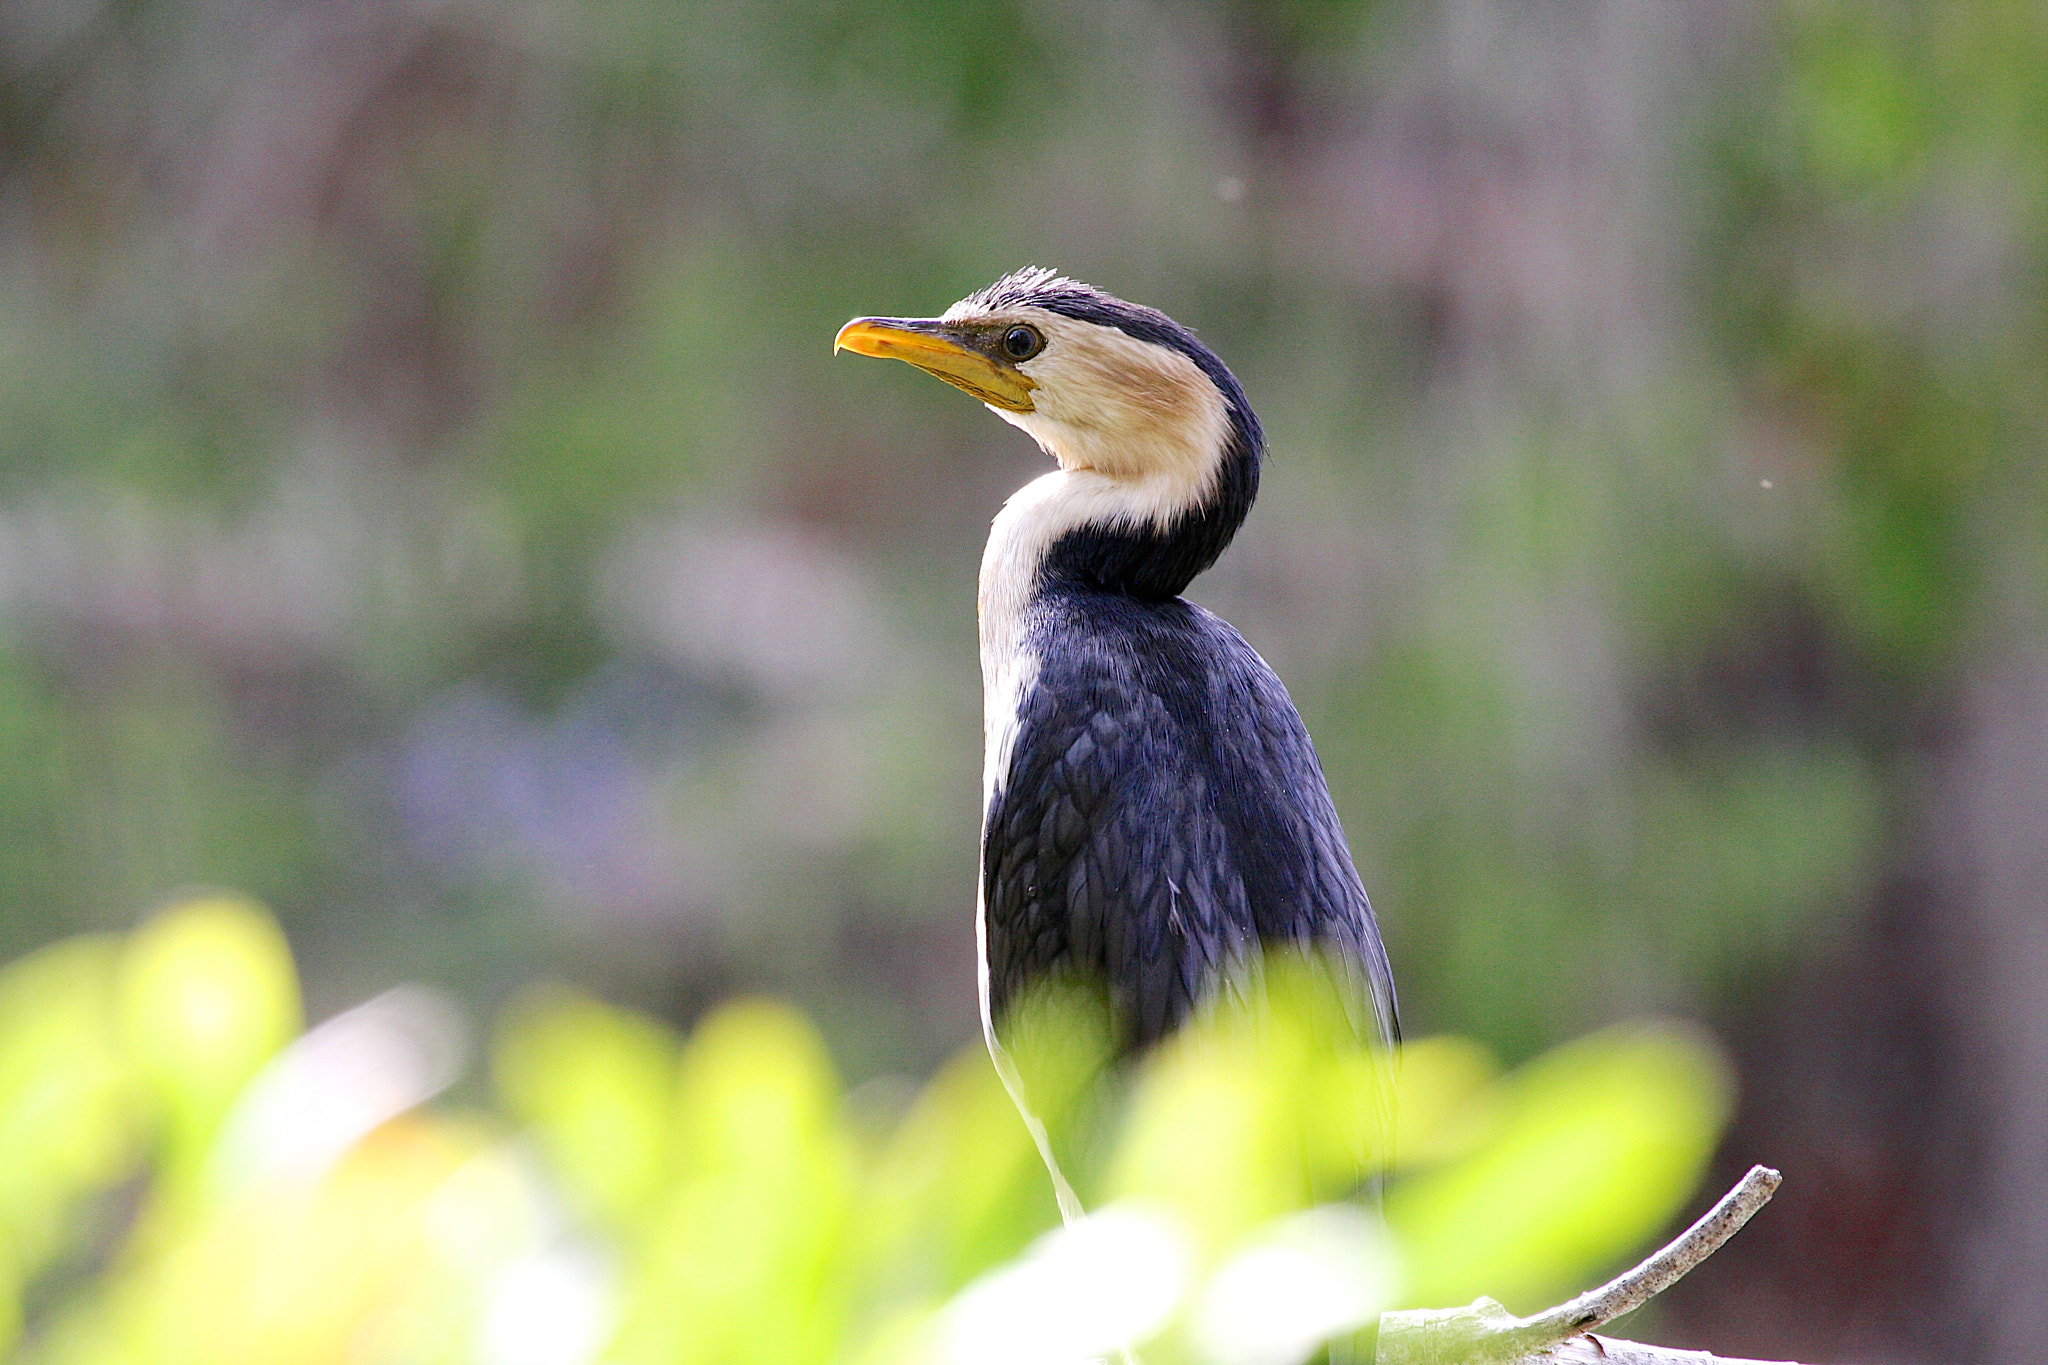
1106 861
1162 814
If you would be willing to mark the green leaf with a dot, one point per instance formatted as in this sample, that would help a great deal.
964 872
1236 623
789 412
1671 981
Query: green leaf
68 1114
747 1262
597 1087
207 995
1601 1142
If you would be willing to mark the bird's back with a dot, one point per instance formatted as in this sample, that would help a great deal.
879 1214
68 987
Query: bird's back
1161 817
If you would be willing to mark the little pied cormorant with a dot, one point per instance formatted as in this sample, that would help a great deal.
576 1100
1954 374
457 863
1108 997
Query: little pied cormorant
1153 812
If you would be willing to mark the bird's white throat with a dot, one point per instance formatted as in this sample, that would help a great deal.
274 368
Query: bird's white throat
1031 522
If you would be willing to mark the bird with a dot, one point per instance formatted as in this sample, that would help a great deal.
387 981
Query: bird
1154 816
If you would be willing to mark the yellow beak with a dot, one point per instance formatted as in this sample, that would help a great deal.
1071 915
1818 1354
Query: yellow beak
937 349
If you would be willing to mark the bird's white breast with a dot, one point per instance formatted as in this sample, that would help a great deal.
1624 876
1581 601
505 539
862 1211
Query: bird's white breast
1009 575
1035 517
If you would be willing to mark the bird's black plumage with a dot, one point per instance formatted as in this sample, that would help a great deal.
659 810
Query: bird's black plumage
1163 817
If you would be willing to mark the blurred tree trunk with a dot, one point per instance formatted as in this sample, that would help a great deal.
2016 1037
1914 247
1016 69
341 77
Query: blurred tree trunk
1993 809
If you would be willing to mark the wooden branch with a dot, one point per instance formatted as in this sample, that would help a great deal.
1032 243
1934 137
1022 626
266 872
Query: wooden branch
1592 1350
1484 1333
1631 1290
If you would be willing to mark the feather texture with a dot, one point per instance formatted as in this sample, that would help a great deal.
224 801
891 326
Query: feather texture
1162 814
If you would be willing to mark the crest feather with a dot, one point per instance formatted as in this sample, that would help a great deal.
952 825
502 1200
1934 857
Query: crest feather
1033 286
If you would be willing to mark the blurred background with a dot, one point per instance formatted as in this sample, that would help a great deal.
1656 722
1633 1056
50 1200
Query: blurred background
428 504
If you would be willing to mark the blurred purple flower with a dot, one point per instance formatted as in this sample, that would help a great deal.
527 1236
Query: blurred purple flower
484 789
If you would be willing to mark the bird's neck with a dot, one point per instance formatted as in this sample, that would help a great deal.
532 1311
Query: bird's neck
1079 529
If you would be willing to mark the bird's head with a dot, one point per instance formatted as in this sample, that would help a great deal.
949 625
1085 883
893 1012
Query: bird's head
1104 386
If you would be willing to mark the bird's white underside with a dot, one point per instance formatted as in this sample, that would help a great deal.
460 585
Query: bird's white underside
1140 433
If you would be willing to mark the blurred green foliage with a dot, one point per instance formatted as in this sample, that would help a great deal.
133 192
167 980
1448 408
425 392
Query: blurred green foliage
632 1195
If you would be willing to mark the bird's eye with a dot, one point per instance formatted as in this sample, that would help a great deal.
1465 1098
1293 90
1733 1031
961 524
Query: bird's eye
1022 343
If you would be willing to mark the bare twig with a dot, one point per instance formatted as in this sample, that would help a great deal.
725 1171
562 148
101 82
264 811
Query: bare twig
1631 1290
1484 1333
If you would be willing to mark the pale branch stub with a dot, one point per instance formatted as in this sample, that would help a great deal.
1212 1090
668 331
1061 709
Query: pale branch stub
1485 1333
